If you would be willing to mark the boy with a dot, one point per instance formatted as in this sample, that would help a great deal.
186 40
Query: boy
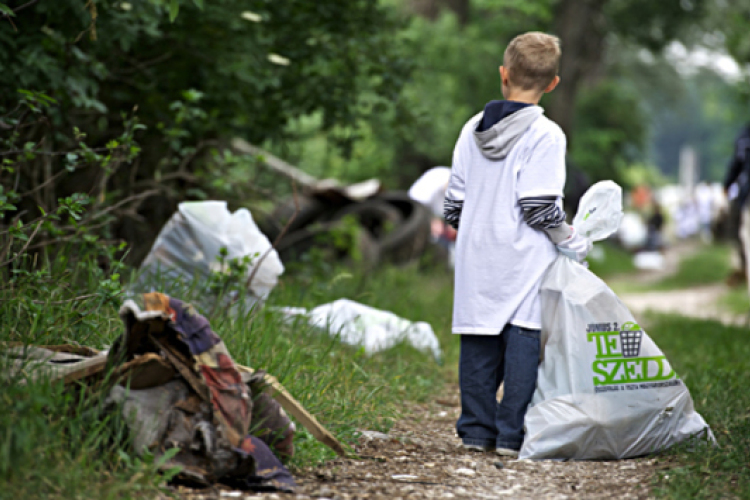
506 191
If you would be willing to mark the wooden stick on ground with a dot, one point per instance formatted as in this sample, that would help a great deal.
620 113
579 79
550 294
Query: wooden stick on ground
295 408
69 372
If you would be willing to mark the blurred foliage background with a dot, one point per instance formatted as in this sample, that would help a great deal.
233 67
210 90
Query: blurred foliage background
133 103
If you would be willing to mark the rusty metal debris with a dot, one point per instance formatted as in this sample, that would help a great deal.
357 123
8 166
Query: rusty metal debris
389 226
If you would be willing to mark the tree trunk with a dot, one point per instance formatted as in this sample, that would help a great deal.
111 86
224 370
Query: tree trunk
460 8
581 26
430 9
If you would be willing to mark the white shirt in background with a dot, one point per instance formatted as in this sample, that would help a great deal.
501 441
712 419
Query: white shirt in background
430 188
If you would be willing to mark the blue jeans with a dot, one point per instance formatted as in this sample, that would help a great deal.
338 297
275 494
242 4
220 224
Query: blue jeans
487 360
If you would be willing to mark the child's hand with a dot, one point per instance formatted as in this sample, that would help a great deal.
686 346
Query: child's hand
575 247
450 233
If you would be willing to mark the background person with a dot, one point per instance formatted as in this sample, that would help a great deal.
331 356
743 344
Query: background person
429 190
655 224
704 200
738 174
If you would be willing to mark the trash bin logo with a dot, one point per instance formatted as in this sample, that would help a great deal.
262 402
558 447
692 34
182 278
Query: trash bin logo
630 339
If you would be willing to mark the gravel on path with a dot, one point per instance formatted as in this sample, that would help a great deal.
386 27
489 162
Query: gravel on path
421 458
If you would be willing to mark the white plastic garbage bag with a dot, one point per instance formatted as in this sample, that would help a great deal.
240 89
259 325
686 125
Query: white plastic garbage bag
188 248
605 390
599 211
374 329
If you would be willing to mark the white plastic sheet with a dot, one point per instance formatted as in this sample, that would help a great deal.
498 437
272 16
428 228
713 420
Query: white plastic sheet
374 329
189 244
605 390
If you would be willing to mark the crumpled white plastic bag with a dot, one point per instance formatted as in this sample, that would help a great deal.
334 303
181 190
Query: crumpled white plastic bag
605 390
188 247
374 329
599 211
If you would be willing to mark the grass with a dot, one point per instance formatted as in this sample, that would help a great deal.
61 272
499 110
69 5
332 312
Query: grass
607 260
714 362
711 264
55 445
736 300
58 445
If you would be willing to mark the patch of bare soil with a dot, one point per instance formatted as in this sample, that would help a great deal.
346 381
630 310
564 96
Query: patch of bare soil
700 302
421 458
697 302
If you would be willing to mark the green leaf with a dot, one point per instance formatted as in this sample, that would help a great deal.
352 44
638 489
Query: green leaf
4 9
174 9
198 3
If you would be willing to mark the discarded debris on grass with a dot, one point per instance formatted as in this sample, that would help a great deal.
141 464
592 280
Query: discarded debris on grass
361 325
203 241
182 396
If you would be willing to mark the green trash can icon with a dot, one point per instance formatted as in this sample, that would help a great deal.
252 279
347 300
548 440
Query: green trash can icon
630 339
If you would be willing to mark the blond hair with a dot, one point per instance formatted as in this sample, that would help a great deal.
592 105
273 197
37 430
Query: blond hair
532 60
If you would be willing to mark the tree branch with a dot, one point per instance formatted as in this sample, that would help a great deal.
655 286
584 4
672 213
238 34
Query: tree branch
278 165
28 242
27 4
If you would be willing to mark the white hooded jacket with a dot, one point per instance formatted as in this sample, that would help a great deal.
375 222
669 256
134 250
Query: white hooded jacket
500 259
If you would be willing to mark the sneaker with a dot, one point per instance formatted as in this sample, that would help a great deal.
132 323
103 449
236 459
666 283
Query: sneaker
477 447
506 452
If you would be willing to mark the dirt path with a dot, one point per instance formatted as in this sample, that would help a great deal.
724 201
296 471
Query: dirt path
699 302
421 459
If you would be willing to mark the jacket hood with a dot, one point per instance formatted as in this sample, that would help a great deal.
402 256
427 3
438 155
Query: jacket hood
496 141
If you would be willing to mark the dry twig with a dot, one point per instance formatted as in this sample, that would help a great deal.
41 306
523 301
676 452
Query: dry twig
278 238
74 299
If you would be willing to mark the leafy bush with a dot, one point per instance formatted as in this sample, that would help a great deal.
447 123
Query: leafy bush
55 251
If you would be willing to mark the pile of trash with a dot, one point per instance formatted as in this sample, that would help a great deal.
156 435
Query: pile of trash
361 325
177 387
391 226
202 240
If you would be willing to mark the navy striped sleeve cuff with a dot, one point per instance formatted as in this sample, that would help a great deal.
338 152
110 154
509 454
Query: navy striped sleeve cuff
452 211
542 212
